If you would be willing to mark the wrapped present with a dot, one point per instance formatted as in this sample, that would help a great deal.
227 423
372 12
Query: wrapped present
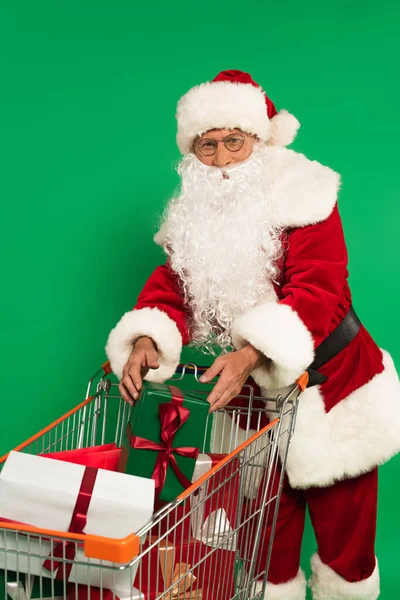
159 572
166 566
105 456
185 569
68 497
210 514
215 506
166 429
174 570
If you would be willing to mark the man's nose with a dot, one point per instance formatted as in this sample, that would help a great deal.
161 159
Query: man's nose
222 156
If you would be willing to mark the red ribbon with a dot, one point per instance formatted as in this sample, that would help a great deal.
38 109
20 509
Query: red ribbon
172 416
77 525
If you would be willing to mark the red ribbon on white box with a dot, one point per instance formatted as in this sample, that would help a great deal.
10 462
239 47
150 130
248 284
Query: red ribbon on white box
24 481
77 525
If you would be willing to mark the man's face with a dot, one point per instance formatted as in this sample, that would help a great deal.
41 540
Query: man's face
223 156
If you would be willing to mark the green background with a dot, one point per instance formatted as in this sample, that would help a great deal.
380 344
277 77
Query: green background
87 156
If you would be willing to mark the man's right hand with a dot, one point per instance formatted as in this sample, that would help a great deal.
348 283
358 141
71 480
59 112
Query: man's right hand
144 356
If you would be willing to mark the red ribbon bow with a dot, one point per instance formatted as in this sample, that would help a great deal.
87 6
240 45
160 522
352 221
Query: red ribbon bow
172 416
67 551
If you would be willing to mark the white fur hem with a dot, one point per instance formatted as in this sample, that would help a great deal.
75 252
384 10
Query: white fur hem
221 105
278 332
359 433
326 584
295 589
155 324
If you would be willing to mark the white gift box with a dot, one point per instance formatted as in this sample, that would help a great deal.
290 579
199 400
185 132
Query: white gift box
41 492
213 529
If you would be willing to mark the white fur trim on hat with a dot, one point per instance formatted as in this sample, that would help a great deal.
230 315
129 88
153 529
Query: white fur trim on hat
326 584
221 105
284 127
295 589
151 322
278 332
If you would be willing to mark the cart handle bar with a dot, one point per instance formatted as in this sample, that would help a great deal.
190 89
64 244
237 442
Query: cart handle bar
301 382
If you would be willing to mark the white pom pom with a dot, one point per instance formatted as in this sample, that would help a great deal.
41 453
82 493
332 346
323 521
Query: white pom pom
284 127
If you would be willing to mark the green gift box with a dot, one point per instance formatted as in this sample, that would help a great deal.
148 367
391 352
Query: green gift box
166 430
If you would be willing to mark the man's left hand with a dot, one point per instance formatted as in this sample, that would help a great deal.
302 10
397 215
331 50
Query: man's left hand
233 368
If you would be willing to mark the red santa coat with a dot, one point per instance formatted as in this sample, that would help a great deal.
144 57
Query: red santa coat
350 423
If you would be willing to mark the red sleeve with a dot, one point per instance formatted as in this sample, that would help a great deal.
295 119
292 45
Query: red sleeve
316 274
160 313
287 331
162 290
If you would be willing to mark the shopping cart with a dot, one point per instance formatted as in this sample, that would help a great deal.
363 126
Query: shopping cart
179 554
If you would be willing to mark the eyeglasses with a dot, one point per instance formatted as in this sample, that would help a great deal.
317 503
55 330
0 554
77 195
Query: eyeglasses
232 142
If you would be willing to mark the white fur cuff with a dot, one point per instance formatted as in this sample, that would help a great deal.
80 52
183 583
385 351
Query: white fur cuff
279 333
326 584
295 589
151 322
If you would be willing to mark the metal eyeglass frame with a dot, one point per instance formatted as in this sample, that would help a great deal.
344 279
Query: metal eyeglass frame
216 142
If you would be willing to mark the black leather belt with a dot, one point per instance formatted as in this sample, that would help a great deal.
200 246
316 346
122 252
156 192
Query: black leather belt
337 341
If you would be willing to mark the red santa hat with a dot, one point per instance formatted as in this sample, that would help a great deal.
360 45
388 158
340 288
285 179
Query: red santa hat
232 100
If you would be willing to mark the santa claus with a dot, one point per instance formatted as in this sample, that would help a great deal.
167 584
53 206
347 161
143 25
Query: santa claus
257 266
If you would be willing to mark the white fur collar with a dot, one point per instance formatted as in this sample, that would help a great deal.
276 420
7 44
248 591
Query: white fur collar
304 191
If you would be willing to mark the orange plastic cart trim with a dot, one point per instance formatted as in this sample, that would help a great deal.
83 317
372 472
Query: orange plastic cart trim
107 367
303 380
120 551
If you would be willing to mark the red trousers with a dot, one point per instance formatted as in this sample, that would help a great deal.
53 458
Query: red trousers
344 521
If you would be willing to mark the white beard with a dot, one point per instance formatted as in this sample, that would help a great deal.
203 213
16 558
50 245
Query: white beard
220 238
